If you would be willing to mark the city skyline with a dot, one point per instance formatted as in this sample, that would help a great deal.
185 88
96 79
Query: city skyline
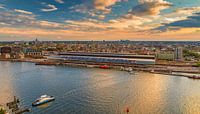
99 20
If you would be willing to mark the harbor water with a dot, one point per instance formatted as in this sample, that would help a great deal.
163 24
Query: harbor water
97 91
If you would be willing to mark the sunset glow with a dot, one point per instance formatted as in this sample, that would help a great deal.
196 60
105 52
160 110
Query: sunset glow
99 19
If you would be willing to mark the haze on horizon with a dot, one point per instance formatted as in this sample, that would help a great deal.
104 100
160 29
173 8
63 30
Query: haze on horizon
99 19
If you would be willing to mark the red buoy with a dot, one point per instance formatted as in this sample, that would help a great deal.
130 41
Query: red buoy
127 110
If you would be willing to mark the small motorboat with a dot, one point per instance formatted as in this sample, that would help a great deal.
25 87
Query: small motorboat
43 100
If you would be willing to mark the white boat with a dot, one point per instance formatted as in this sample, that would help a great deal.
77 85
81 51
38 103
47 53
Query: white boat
129 69
131 72
43 100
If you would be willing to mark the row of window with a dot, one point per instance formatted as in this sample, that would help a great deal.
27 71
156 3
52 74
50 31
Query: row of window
34 53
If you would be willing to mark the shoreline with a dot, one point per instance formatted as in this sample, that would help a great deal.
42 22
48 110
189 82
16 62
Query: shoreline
156 69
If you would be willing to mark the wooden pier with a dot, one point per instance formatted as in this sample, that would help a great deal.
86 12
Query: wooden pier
14 107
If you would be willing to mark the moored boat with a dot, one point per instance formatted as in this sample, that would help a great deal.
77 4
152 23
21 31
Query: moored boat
194 77
43 100
104 67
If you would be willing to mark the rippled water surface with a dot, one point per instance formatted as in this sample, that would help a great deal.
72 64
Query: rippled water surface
97 91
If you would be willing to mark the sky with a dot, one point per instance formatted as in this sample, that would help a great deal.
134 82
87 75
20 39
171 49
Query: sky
99 20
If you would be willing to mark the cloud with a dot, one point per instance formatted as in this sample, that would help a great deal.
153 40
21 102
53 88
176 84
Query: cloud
130 24
148 22
81 8
149 7
101 17
13 19
23 11
60 1
192 21
65 34
182 33
10 18
96 8
104 5
42 34
86 25
50 8
126 27
2 6
181 18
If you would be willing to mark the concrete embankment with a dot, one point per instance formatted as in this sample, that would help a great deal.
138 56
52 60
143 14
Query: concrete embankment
23 60
167 70
159 69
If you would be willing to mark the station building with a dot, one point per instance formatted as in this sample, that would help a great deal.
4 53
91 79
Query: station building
105 58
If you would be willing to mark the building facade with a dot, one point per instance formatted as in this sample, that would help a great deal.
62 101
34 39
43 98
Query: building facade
106 58
5 52
165 56
178 54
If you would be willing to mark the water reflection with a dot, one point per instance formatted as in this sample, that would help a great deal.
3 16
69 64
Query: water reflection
44 105
96 91
6 84
149 95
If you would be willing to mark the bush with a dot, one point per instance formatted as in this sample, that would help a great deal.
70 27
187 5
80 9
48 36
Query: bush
198 64
2 111
188 53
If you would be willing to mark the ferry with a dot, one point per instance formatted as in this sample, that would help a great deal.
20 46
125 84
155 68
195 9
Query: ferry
43 100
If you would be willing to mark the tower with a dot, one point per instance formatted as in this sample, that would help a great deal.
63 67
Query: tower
178 54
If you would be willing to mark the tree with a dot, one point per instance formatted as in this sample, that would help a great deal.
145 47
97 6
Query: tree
188 53
198 64
2 111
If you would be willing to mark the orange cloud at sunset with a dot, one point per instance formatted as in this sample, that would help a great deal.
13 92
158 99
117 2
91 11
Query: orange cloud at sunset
182 34
102 20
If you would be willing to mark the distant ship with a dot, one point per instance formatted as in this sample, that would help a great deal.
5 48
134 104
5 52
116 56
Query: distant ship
43 100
